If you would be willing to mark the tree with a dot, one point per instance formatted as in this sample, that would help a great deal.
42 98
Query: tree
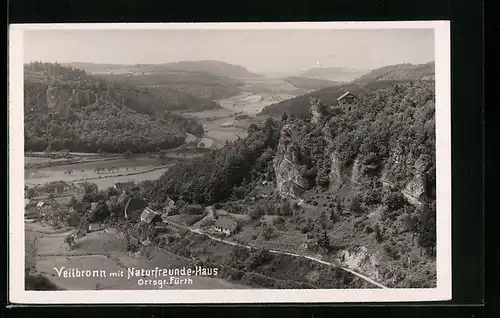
70 240
355 205
378 234
267 231
323 220
285 209
427 227
30 193
284 117
411 222
324 241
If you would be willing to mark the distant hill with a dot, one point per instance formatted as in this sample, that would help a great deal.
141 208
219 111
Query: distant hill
200 85
66 108
299 106
310 83
217 68
336 74
399 72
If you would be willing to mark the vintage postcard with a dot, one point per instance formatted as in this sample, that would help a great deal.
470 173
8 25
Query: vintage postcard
229 163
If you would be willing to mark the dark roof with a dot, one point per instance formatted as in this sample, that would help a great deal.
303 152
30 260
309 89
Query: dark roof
148 215
345 95
226 222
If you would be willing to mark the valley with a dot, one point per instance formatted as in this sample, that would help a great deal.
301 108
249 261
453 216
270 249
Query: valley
345 199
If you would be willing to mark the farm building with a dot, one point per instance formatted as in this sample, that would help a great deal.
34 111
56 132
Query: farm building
40 204
347 101
226 224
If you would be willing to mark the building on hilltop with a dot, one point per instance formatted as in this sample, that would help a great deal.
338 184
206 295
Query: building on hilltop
226 224
348 101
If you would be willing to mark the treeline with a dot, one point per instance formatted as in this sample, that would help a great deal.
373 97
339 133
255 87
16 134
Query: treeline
214 177
100 115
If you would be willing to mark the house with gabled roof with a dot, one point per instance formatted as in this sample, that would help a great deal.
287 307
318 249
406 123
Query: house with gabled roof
348 101
226 224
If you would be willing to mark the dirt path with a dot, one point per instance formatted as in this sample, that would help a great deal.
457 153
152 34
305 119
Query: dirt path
199 231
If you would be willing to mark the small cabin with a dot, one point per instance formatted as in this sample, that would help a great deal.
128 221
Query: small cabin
348 101
226 224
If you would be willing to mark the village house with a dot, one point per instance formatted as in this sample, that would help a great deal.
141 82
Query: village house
347 101
226 224
148 221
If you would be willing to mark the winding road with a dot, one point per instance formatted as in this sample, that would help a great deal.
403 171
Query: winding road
198 231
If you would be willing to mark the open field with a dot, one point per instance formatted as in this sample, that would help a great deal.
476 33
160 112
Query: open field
136 169
102 251
252 104
221 125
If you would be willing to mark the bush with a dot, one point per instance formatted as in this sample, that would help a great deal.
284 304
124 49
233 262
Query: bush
394 201
267 231
285 209
355 205
279 223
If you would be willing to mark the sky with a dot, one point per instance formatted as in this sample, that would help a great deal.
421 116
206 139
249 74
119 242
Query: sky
260 51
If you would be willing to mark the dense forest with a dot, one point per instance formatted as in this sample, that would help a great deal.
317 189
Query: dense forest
66 108
213 178
202 86
400 116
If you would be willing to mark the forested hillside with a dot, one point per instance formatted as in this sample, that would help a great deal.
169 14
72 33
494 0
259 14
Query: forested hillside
202 86
399 72
366 180
217 68
66 108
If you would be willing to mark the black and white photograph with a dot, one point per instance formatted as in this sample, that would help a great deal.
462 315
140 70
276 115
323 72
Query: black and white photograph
230 162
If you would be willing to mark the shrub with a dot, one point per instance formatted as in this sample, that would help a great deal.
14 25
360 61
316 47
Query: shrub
285 209
279 223
267 231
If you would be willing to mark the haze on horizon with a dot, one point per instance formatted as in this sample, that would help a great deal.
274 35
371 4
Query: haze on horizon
260 51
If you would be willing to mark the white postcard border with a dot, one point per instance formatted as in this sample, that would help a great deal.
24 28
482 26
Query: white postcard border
18 295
